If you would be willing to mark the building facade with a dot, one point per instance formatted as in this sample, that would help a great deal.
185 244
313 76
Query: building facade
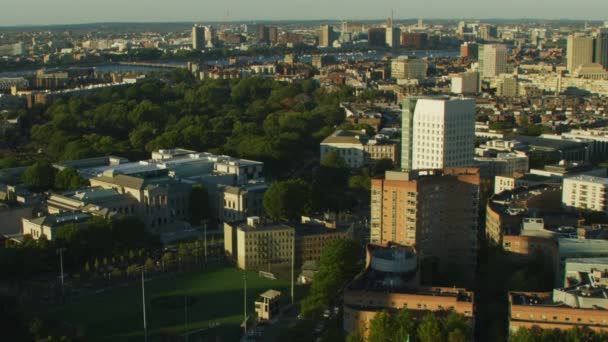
433 211
585 193
406 68
492 60
437 133
579 52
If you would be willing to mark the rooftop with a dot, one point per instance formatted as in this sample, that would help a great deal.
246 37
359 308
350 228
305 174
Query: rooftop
270 294
588 179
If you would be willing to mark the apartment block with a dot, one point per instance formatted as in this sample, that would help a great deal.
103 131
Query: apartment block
466 83
492 60
434 211
408 68
579 51
585 193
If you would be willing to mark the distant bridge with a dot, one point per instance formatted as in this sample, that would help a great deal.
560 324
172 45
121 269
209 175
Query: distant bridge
155 65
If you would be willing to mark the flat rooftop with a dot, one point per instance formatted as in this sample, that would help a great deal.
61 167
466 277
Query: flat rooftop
589 179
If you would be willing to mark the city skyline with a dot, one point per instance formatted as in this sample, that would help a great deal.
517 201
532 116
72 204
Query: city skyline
63 11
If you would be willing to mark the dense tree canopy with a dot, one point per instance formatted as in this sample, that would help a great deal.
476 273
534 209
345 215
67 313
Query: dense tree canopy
339 263
69 179
277 123
428 327
286 200
40 176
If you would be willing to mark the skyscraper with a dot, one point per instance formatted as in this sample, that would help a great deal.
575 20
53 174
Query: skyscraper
437 132
209 36
492 60
198 37
393 35
326 34
376 36
273 34
601 47
579 52
434 211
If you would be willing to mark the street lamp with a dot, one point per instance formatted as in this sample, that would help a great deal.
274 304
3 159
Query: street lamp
245 301
60 252
143 303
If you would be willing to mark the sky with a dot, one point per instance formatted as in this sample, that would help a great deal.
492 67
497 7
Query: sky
43 12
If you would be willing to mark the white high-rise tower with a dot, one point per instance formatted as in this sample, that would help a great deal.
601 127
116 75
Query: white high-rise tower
437 132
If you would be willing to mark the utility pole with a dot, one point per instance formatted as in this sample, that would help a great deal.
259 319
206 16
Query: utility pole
143 303
293 261
60 252
205 228
245 301
186 315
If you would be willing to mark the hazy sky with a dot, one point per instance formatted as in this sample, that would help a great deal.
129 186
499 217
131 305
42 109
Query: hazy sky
15 12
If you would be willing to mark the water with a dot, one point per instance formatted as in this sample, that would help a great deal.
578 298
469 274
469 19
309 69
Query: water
341 57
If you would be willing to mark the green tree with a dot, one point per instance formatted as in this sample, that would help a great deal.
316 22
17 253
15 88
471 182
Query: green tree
339 263
457 336
355 336
455 321
149 265
404 326
69 179
117 273
133 270
331 182
430 329
40 176
522 335
382 165
287 199
381 328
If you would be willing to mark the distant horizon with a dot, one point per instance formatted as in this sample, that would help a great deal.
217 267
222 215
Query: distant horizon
254 21
70 12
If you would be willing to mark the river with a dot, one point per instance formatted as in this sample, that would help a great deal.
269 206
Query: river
342 57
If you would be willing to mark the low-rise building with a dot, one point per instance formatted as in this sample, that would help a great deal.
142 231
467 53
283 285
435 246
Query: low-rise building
239 202
268 305
506 211
391 282
585 193
563 309
502 164
466 83
407 68
49 225
520 180
358 149
256 245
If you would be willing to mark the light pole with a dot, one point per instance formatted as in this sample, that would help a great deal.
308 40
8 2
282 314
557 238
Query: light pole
143 303
293 261
60 252
245 301
186 315
205 228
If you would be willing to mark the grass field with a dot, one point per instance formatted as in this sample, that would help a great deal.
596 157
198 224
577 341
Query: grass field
217 311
